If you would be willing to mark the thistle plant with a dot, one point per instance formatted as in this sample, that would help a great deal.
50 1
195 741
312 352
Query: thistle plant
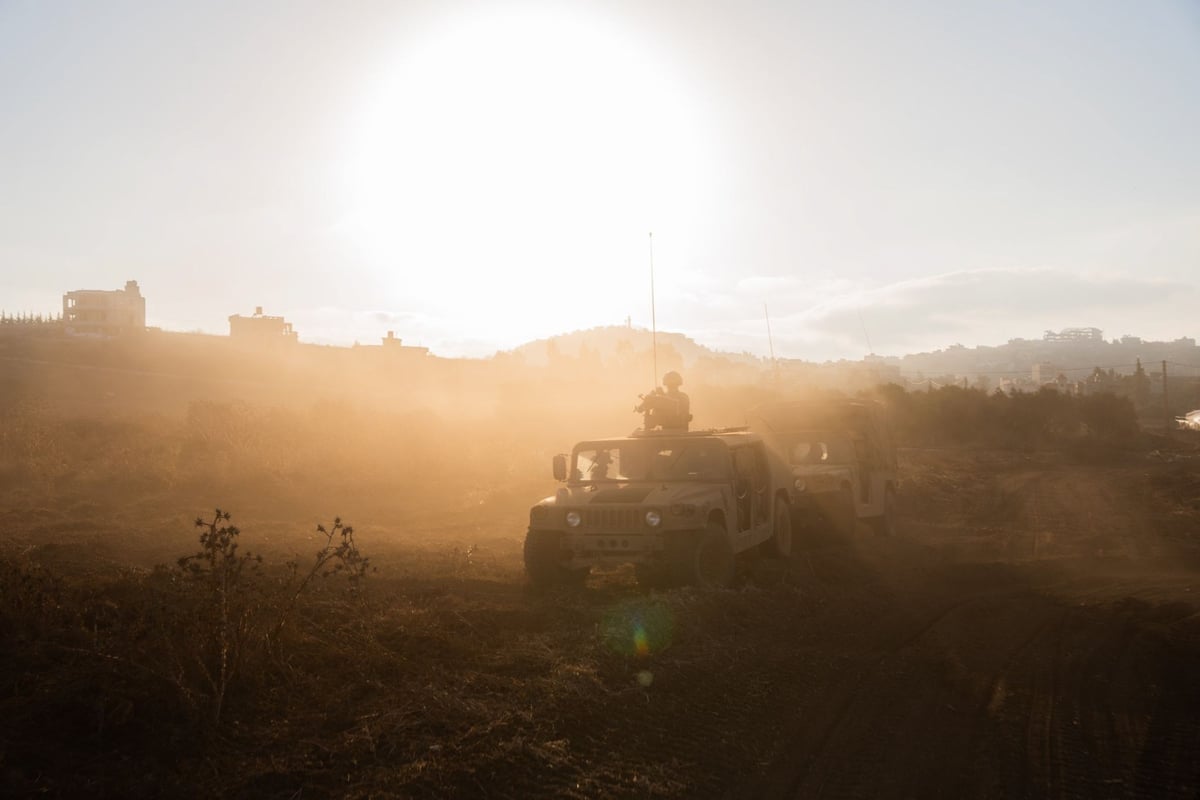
230 582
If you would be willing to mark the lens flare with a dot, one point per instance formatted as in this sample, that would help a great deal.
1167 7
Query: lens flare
641 642
638 628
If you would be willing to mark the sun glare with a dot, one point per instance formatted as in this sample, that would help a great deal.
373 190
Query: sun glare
527 152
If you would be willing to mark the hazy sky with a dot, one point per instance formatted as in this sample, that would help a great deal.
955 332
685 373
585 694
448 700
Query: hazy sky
477 175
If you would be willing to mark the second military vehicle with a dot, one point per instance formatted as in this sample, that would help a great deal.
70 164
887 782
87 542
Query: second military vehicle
843 464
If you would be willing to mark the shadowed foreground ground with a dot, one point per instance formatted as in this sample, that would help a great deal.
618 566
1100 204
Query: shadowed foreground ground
1032 633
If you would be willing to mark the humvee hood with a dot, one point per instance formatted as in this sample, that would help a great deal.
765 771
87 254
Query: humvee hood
623 494
690 493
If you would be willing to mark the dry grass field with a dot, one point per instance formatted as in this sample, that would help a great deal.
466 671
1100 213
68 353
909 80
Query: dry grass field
1031 632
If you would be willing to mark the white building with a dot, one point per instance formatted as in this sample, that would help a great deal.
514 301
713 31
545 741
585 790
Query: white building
261 330
101 312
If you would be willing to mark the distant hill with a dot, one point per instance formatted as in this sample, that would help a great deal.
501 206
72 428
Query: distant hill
1075 360
615 342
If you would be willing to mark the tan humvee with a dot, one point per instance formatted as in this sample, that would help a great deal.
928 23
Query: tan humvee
680 506
843 464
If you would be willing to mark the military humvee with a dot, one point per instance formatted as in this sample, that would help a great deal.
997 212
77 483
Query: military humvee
843 464
680 506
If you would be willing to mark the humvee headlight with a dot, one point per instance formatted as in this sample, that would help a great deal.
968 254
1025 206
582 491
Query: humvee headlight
573 519
799 484
653 519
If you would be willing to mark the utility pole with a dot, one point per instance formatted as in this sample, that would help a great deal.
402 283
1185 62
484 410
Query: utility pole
1168 420
771 343
653 319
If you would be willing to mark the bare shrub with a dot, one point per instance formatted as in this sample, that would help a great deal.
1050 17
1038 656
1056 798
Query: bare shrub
238 612
228 618
194 637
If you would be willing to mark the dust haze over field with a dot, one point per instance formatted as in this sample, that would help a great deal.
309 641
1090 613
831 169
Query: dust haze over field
1031 631
290 562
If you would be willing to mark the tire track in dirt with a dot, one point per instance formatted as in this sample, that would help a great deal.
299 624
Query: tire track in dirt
1058 709
1058 685
871 699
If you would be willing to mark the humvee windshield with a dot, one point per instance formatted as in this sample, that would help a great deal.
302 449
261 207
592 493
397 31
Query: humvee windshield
651 460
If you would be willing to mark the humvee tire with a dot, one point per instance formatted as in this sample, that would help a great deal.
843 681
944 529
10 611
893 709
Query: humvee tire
782 543
543 561
707 560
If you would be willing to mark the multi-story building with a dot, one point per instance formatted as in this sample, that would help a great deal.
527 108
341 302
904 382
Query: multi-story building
261 329
1074 335
100 312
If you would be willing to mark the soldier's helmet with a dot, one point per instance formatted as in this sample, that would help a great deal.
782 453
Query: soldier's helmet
672 379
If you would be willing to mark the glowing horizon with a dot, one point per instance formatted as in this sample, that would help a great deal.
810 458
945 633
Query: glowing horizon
476 178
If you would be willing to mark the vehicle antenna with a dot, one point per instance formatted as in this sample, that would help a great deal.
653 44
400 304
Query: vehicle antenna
653 321
867 336
771 343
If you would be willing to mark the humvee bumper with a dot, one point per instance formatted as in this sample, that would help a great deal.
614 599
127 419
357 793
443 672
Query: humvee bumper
601 548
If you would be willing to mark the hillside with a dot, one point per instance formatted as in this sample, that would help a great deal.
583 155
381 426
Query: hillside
614 343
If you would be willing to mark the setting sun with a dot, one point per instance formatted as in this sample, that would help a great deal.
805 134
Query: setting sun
532 399
520 150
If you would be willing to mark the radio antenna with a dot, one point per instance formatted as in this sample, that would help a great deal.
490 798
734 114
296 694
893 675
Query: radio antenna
653 320
771 343
867 336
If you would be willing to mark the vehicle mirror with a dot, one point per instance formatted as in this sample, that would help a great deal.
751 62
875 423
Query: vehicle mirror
560 467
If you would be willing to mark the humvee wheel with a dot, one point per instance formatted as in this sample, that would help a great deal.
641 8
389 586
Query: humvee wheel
544 563
711 562
781 543
885 524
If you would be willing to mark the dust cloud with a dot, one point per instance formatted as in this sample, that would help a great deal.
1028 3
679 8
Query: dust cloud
138 431
1031 630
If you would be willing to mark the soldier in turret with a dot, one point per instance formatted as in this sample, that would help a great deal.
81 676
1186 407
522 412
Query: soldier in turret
666 408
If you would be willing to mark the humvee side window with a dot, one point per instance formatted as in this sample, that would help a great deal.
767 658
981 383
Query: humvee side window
690 461
743 463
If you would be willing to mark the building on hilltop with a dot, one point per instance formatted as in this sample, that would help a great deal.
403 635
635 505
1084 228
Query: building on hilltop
101 312
1074 335
392 347
261 330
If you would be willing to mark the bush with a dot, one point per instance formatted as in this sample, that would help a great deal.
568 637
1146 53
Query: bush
191 636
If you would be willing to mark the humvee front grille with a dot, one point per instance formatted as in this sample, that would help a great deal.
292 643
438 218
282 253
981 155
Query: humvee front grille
612 519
